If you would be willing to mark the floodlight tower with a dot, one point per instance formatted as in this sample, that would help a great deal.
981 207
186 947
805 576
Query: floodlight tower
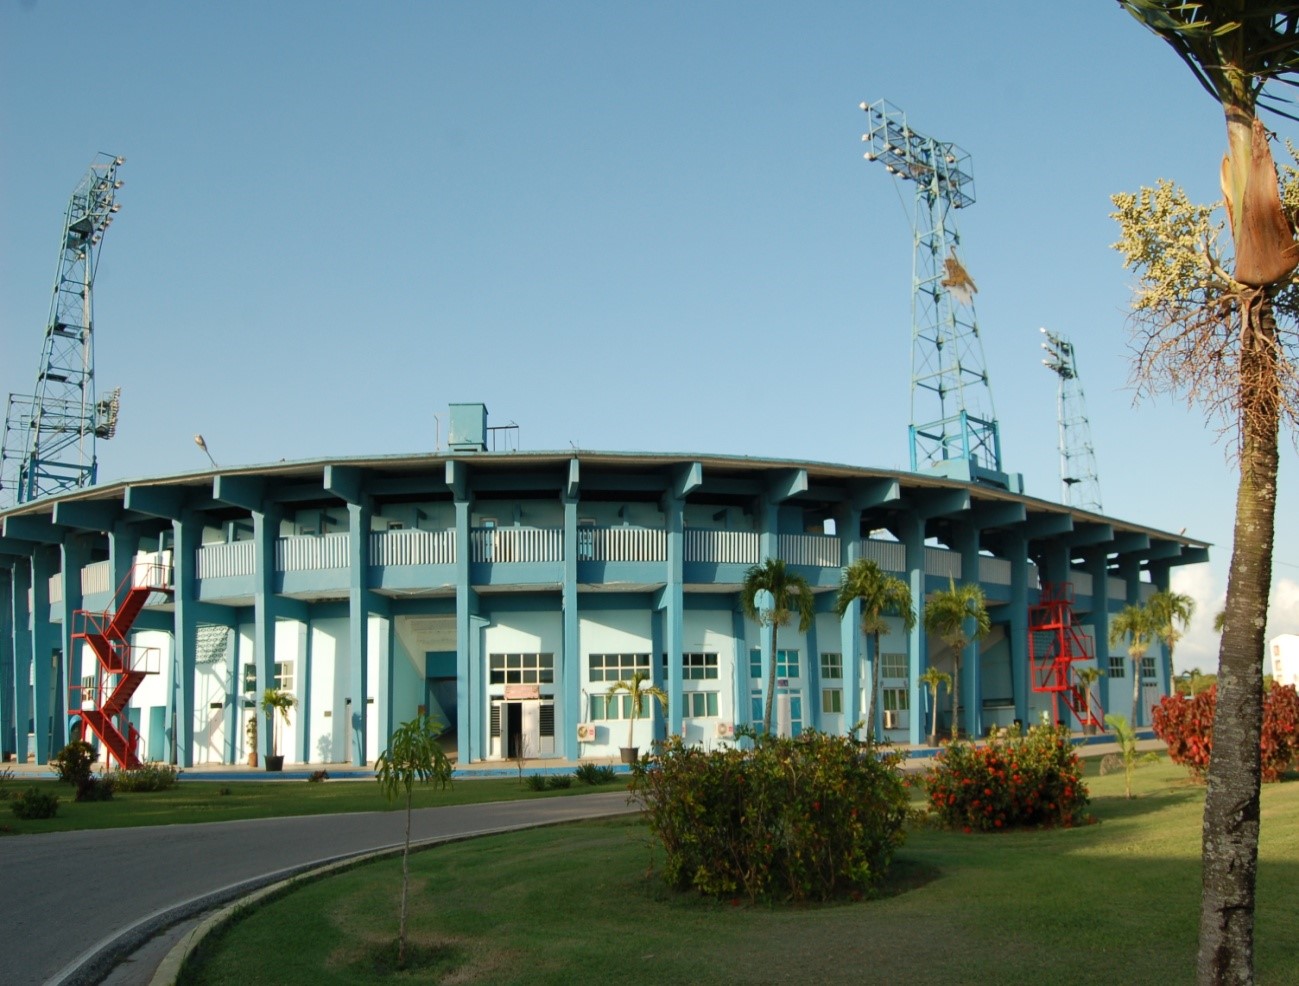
1079 484
49 440
954 428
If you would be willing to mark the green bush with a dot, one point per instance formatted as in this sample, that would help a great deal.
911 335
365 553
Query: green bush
73 763
34 803
151 776
1012 781
556 782
810 818
590 773
535 782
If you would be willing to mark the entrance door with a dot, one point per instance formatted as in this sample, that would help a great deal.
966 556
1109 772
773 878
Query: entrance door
514 730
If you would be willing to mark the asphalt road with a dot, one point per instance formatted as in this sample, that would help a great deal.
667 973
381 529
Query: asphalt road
68 896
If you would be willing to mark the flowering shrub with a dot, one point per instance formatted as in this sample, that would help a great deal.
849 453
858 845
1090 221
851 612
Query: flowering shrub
151 776
1011 781
789 819
1186 727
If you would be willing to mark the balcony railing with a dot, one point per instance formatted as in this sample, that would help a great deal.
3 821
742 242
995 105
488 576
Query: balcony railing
516 544
1082 583
310 553
97 577
994 571
621 544
222 561
888 555
413 548
821 550
56 591
941 561
725 547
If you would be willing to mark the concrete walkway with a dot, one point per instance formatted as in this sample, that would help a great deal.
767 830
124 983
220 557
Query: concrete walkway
74 903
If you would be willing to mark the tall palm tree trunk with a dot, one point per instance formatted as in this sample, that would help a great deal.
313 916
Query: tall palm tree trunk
956 693
1136 689
771 682
1231 804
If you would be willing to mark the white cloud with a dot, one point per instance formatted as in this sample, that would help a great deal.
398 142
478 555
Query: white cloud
1198 648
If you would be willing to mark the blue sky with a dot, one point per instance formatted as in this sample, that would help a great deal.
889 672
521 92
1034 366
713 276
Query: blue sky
621 226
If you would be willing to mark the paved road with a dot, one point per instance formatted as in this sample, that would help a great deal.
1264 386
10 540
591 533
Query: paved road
66 895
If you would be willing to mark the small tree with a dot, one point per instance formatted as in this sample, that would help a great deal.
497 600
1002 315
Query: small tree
1137 624
637 692
413 754
935 679
1171 613
275 700
879 594
789 594
947 614
1087 677
1128 755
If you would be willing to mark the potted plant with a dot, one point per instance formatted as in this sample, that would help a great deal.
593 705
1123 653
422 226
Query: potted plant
637 691
1087 677
274 700
935 679
250 732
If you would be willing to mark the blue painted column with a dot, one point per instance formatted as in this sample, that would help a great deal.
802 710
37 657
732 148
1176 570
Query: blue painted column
1159 577
856 672
742 682
674 612
768 547
1129 569
235 739
1097 567
812 710
306 671
266 529
187 533
967 543
358 628
8 680
20 618
570 663
913 542
123 542
74 554
46 663
471 709
1017 546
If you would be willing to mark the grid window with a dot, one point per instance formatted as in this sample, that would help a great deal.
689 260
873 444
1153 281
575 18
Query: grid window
831 701
896 700
284 676
893 665
521 669
755 707
700 705
250 679
699 667
1117 666
1148 669
616 707
786 663
831 666
618 667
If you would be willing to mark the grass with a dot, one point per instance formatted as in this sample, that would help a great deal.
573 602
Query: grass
209 801
1115 902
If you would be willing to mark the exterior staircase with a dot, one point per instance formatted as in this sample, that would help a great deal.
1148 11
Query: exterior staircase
121 667
1055 642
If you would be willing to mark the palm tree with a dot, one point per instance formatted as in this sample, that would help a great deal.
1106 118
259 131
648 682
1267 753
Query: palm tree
935 679
1170 610
788 594
1087 677
1137 624
947 613
1235 50
879 594
637 691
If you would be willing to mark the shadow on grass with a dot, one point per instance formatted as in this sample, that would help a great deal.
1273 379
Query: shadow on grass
436 961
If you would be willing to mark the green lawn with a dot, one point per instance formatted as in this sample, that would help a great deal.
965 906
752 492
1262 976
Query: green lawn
209 801
1115 902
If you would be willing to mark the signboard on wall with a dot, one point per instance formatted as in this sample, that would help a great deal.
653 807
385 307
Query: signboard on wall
519 693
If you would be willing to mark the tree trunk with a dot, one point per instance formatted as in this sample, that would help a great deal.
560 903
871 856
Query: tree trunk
1231 804
956 693
771 682
1136 690
873 696
405 883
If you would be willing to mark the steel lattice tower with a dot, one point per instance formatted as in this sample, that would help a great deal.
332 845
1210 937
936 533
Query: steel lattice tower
49 440
954 428
1079 484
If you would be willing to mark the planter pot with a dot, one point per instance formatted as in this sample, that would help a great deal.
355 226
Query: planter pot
1089 729
630 754
252 760
274 764
931 739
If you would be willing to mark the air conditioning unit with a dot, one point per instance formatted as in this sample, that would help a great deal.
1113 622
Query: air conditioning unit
725 730
891 719
586 732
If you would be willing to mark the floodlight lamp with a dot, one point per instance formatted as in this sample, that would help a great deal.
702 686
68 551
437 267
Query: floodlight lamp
120 160
863 106
869 155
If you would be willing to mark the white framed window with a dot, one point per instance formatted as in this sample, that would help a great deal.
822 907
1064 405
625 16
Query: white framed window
894 666
1148 672
605 707
617 667
786 663
831 666
896 699
521 669
284 676
699 667
1118 666
700 705
831 701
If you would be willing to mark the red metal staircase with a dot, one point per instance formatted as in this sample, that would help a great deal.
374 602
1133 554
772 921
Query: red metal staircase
1055 642
121 666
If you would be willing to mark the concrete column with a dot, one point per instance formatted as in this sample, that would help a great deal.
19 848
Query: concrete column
674 612
1017 547
46 661
8 682
358 629
569 695
266 530
24 724
913 542
967 543
74 554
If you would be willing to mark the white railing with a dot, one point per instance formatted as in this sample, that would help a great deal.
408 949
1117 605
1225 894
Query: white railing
413 548
621 544
311 552
727 547
941 561
888 555
516 544
1034 577
1082 583
97 577
822 550
1118 588
994 571
220 561
56 589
